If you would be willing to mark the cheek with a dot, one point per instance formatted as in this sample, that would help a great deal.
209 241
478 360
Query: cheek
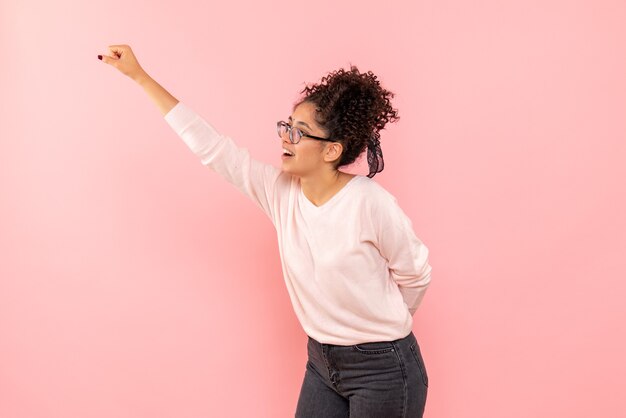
308 154
306 159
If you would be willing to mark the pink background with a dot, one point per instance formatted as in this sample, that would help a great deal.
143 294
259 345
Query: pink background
134 282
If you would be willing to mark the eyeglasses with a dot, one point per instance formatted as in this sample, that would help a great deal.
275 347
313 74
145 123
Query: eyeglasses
295 134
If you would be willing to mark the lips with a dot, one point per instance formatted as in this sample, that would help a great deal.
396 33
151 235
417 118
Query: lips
287 152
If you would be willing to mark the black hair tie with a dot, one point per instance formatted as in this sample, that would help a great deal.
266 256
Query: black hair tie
374 155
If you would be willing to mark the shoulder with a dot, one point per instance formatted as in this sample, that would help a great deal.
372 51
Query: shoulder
286 181
374 193
376 203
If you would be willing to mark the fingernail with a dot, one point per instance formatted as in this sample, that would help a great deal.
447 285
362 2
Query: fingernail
100 57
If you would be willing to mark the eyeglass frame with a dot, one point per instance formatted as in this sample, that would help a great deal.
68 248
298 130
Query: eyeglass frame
302 134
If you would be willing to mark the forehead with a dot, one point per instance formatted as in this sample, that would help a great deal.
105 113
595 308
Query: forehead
304 111
303 115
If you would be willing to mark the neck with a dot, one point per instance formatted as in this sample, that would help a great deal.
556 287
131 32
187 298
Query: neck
320 187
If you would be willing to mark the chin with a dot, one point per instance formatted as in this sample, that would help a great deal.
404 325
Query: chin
289 170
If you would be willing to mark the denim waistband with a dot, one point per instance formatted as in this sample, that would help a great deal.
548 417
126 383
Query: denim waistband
410 337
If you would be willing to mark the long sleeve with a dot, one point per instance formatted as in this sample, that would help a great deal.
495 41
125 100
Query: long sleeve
255 179
406 254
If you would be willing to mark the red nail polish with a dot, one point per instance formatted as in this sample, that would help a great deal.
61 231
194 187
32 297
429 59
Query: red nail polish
100 57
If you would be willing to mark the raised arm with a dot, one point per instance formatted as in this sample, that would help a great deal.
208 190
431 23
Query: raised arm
255 179
161 97
123 58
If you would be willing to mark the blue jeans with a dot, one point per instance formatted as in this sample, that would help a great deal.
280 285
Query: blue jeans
376 379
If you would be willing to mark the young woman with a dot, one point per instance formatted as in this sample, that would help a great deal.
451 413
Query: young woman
354 269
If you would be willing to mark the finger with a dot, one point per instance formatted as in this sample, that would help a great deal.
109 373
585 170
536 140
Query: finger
117 50
109 60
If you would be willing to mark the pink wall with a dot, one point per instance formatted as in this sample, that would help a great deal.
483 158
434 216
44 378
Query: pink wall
134 282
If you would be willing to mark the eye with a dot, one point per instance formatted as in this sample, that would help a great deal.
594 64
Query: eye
300 129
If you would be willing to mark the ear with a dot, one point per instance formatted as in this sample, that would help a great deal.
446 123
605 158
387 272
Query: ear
332 151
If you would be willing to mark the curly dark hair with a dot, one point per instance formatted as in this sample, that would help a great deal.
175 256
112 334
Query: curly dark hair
353 108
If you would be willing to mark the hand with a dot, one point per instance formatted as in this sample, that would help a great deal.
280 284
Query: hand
123 59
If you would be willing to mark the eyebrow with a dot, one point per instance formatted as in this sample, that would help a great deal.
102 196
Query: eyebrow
301 123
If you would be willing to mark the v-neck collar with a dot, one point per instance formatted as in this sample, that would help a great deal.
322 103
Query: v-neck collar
305 200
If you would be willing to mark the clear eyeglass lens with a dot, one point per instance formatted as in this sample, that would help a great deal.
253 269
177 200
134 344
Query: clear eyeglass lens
282 129
296 135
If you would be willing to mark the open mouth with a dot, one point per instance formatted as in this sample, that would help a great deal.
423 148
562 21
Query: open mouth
287 153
